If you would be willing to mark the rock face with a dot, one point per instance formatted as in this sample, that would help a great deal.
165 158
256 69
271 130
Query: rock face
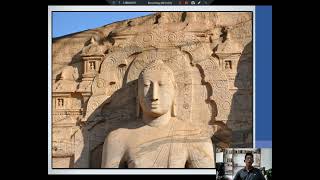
95 81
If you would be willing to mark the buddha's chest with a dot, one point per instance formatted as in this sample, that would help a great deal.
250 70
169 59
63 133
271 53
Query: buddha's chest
165 148
158 153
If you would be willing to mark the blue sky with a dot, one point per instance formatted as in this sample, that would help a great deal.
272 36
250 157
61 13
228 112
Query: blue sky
64 23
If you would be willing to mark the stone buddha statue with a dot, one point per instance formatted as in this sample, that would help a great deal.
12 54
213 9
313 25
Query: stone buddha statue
162 140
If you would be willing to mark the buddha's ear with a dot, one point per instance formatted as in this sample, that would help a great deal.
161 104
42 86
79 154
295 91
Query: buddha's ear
174 109
175 85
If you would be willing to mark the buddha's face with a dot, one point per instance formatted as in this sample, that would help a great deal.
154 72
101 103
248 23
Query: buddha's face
156 93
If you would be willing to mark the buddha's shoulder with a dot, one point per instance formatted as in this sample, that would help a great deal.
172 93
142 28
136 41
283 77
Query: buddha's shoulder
119 133
128 129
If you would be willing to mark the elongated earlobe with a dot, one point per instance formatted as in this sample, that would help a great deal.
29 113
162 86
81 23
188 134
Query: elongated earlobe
137 107
174 109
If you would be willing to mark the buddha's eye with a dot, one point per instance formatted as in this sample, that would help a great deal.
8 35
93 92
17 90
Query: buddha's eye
146 84
161 83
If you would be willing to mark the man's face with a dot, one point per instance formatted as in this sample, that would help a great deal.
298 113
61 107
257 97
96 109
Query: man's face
156 93
249 160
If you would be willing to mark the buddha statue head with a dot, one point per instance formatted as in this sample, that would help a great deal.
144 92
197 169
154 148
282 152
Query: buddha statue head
156 91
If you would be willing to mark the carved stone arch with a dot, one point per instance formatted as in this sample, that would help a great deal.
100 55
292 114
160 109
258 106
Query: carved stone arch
112 72
218 83
213 99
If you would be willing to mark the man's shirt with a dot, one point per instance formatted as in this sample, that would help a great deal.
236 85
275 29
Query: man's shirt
253 174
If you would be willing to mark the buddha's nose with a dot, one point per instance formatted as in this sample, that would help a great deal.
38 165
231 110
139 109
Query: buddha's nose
155 92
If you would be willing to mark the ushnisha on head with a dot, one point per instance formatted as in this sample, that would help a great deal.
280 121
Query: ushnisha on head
156 90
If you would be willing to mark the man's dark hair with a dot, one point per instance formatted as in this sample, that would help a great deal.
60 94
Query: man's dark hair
248 154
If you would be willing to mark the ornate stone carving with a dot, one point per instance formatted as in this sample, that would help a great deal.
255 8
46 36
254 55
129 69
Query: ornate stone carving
67 81
96 83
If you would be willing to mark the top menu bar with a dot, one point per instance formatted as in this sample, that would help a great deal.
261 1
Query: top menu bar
160 2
